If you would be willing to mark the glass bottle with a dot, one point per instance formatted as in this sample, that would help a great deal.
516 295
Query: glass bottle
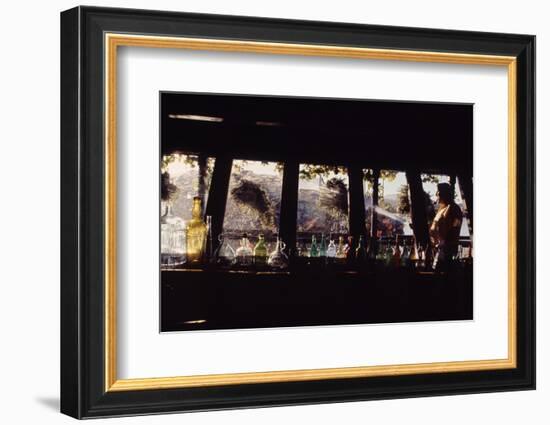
313 250
260 251
413 256
381 250
429 257
371 252
361 251
421 257
244 252
225 254
396 254
323 247
388 254
340 253
349 250
278 259
172 238
196 233
331 250
405 255
208 250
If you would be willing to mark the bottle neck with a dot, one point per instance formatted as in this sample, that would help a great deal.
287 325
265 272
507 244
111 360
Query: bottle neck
197 210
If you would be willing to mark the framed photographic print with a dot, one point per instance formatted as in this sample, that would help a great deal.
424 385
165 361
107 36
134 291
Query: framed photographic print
262 212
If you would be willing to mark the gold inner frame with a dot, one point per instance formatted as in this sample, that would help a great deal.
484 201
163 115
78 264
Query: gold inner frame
113 41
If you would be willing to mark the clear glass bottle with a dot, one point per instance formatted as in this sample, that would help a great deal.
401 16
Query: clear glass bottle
396 254
331 249
209 246
388 255
172 238
405 255
225 254
244 254
196 233
360 251
278 259
323 247
260 251
381 250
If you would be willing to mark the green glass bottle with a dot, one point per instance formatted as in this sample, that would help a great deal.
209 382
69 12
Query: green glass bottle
313 250
260 251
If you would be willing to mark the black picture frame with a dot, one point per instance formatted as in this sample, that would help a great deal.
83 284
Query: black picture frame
83 168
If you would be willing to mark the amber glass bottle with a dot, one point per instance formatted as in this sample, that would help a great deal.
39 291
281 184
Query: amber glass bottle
196 233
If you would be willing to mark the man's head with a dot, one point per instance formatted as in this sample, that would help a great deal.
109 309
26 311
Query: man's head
444 193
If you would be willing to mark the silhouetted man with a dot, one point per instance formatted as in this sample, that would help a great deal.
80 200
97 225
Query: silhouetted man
445 228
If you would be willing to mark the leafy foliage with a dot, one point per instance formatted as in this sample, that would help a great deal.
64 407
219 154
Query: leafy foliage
334 196
168 190
311 171
403 203
249 195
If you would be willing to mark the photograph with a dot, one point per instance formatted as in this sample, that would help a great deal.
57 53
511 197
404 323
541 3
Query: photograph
271 211
303 211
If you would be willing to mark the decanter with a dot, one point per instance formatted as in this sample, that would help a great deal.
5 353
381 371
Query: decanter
196 233
278 259
172 238
225 254
331 250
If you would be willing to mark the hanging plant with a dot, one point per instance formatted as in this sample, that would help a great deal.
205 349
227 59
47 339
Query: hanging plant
168 190
334 196
250 195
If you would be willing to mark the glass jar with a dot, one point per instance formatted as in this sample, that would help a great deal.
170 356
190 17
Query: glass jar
244 254
172 238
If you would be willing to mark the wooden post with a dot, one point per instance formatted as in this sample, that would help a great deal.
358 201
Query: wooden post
217 196
289 204
357 202
466 188
418 207
376 178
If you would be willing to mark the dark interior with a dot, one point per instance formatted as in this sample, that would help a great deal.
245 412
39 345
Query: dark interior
412 137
